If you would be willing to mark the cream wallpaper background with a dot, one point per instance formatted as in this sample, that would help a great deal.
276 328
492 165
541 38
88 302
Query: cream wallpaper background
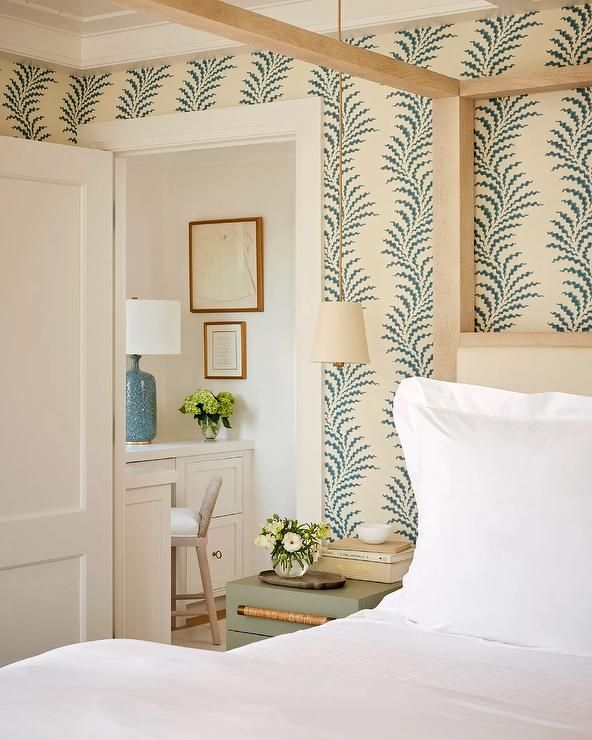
533 216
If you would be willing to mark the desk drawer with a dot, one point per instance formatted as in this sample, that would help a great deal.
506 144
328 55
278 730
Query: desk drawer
150 466
194 476
334 603
293 600
224 553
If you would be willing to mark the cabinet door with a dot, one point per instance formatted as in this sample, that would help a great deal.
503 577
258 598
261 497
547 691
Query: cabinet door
224 554
196 474
147 570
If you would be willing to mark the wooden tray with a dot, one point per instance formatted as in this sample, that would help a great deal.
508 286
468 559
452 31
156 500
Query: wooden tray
312 579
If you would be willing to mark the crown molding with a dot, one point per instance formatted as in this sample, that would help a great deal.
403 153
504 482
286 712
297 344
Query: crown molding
24 38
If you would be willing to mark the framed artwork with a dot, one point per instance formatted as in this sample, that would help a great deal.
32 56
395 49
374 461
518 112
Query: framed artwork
226 265
225 349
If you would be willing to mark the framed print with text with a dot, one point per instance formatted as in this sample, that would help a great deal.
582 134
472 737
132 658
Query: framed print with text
226 265
225 349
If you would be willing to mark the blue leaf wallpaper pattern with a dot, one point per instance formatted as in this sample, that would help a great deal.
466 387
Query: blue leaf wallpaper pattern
407 162
572 42
357 204
570 148
24 91
504 196
348 456
400 505
265 80
422 46
408 249
80 101
142 86
492 51
533 262
347 453
204 78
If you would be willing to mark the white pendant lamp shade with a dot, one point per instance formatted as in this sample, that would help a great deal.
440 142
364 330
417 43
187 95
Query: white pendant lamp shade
153 327
340 333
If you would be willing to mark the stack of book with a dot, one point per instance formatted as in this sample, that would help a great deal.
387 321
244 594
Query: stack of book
352 558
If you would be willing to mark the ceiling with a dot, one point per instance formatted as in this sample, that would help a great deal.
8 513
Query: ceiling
86 34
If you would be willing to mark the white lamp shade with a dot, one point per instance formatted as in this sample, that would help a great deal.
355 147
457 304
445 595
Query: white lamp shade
340 333
153 327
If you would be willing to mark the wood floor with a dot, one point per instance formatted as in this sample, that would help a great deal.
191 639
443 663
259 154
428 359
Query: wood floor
199 637
196 634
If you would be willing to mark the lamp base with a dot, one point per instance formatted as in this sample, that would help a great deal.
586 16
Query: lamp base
140 396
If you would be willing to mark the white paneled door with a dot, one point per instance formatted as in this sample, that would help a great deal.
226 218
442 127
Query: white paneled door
55 396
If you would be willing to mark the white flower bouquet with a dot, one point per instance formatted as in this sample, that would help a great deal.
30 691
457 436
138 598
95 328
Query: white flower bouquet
294 547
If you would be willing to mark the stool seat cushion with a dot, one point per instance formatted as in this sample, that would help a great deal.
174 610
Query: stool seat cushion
184 522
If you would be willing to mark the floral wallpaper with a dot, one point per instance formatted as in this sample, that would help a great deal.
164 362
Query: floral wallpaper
533 211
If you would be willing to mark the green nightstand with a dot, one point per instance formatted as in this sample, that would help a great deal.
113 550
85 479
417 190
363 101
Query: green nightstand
250 592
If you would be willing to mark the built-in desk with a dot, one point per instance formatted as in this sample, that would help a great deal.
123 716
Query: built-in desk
177 473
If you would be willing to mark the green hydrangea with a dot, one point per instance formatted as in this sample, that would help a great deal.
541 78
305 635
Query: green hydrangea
203 402
211 405
226 406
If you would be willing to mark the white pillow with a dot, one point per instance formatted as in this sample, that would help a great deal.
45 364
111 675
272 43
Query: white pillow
503 483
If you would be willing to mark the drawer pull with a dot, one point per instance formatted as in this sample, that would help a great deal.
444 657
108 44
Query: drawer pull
312 620
217 554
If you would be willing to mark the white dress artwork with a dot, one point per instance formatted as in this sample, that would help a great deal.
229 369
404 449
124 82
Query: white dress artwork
226 263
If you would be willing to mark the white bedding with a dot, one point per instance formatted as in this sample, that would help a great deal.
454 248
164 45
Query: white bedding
369 675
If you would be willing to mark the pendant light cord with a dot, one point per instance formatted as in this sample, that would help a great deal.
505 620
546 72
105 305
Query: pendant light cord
340 162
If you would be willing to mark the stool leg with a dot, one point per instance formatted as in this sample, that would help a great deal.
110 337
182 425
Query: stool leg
173 585
206 580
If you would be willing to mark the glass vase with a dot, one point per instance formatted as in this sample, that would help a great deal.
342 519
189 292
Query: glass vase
209 429
293 570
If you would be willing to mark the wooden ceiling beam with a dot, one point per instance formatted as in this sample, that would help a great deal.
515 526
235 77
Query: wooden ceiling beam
262 32
544 80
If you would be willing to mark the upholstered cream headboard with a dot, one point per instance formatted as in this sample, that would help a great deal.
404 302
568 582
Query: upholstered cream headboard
527 369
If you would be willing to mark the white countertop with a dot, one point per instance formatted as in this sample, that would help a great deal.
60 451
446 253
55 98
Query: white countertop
185 448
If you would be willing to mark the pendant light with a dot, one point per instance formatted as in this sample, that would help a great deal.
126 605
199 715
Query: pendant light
340 334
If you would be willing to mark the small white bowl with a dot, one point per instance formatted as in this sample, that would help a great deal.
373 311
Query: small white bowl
374 534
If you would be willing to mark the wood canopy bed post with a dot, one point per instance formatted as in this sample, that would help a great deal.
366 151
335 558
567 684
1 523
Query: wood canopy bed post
453 179
453 252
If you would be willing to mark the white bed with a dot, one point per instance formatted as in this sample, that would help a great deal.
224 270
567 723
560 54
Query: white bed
369 675
484 565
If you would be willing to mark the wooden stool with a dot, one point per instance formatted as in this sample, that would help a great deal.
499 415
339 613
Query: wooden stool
189 528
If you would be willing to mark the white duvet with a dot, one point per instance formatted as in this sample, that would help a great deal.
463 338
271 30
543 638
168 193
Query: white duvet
370 675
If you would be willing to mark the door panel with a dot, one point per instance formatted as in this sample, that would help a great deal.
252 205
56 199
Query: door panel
52 589
56 396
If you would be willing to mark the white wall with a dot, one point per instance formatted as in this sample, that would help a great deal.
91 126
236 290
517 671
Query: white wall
165 192
145 215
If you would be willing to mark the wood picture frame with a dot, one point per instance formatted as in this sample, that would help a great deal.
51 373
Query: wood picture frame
225 350
226 279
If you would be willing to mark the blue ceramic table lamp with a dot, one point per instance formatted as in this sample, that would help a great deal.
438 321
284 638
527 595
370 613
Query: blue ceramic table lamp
152 328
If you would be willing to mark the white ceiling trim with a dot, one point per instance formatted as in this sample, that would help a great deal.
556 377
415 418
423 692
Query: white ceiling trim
32 41
77 17
158 40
